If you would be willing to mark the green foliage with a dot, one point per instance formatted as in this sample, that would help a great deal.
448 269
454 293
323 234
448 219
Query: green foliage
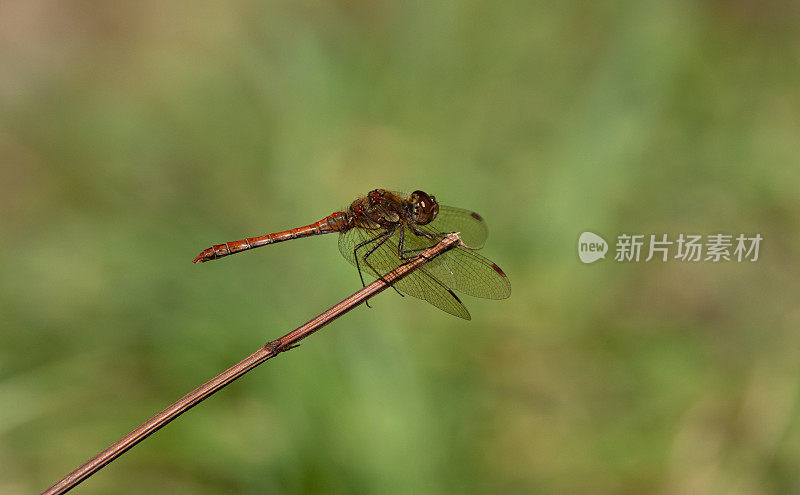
134 135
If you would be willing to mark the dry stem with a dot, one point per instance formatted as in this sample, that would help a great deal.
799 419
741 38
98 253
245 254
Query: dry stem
269 350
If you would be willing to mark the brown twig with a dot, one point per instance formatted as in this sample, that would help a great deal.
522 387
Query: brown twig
269 350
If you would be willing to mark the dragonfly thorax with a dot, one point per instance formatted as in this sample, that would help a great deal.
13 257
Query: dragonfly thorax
378 209
382 209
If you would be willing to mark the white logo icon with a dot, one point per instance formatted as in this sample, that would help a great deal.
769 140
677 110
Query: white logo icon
591 247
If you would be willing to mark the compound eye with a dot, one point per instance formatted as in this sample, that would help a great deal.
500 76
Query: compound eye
425 207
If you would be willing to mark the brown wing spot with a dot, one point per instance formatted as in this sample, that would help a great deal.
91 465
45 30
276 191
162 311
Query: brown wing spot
476 216
498 270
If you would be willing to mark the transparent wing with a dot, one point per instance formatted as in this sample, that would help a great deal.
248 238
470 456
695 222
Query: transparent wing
469 224
466 271
385 257
461 268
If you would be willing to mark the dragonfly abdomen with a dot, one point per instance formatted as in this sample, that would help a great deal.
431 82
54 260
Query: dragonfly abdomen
332 223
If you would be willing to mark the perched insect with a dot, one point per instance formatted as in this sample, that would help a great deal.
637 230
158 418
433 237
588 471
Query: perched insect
384 229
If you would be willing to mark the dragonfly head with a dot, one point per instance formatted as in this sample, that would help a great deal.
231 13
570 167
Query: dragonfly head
424 208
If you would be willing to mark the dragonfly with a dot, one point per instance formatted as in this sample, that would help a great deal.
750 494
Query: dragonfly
384 229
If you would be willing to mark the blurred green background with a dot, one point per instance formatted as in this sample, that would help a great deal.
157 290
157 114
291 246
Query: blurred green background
133 135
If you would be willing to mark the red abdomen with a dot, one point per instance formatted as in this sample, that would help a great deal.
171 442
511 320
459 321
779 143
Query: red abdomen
335 222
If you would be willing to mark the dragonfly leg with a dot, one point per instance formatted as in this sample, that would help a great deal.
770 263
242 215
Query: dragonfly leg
355 254
428 235
355 257
386 237
403 251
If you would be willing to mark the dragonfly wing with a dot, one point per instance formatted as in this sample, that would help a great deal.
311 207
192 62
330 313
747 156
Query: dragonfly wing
421 283
466 271
470 226
350 239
